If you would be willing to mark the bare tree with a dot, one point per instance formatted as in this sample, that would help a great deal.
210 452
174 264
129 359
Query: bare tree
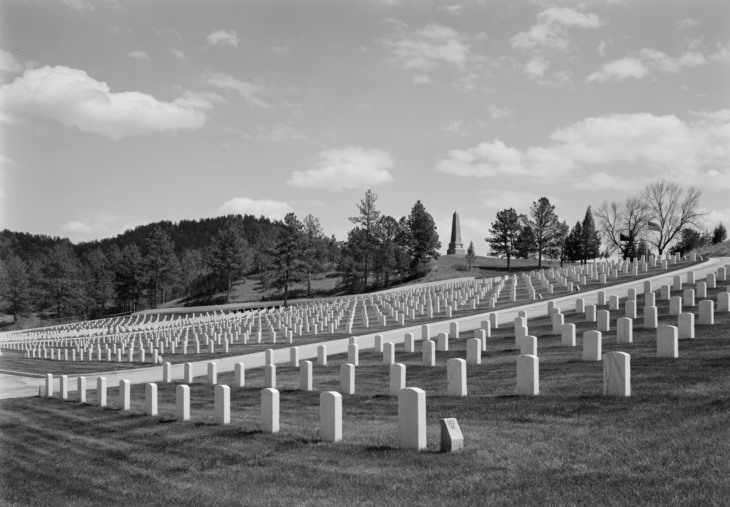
622 223
671 209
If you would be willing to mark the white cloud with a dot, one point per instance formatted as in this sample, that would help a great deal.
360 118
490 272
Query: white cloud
422 79
73 98
199 100
8 63
246 206
350 167
138 55
223 38
179 54
507 198
536 67
645 62
690 152
430 47
550 30
618 70
454 10
78 5
78 227
498 112
247 89
687 22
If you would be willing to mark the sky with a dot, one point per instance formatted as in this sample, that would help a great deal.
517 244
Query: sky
119 113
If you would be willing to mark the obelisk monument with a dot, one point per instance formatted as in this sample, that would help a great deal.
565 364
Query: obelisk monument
455 246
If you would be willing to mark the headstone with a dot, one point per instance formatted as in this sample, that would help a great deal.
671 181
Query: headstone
590 313
239 375
456 377
616 374
410 343
269 410
688 297
150 395
353 354
675 305
474 351
378 343
604 319
651 319
347 378
723 301
630 309
322 355
452 439
397 379
101 391
528 375
528 345
182 403
388 353
412 418
305 375
330 416
707 312
649 299
124 394
686 325
592 345
442 342
624 330
667 344
567 337
212 373
222 404
454 330
49 385
429 353
81 388
166 373
270 376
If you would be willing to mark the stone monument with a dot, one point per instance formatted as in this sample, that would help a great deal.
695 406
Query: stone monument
456 247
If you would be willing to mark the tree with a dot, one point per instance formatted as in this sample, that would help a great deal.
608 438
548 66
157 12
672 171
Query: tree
15 289
590 239
719 234
99 279
228 256
314 250
424 239
367 219
351 261
622 223
543 223
574 243
525 245
504 232
385 260
689 240
160 263
61 280
192 270
289 253
671 208
129 274
470 255
557 248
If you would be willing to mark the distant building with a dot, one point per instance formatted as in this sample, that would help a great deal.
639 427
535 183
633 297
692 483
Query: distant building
456 247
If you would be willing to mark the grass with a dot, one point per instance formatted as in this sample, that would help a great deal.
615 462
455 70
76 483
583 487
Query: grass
668 444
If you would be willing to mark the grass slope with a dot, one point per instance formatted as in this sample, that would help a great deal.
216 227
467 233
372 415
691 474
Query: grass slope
668 444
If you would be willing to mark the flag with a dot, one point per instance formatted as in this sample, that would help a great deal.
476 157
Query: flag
653 226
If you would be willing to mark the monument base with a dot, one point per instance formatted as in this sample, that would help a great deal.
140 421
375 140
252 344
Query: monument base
459 252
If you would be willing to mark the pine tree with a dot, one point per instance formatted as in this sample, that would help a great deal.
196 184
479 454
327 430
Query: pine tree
160 263
543 221
590 238
470 255
289 254
15 289
504 232
368 220
574 243
526 243
314 250
228 256
424 239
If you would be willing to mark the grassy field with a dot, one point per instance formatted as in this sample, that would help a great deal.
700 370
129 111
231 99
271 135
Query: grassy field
668 444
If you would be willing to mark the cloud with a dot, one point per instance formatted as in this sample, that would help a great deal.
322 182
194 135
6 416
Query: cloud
257 207
350 167
498 112
430 47
247 89
550 31
278 132
507 198
536 67
687 22
78 5
618 70
138 55
73 98
646 62
688 151
8 63
223 38
454 10
179 54
199 100
423 79
78 227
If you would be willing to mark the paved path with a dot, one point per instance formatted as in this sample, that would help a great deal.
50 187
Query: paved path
12 386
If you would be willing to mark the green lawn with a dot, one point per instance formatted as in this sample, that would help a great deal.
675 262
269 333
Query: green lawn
668 444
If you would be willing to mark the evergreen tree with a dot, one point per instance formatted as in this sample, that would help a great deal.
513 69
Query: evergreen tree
385 259
543 222
557 248
228 256
351 261
574 243
99 280
313 250
289 254
15 289
504 232
470 255
590 238
526 243
367 220
129 274
719 234
424 239
61 282
192 270
160 263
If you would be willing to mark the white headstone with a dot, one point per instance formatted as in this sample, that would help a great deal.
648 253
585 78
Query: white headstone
452 439
270 376
124 394
212 373
412 418
667 344
528 375
330 416
592 345
81 388
456 377
388 353
567 337
429 353
101 391
305 375
182 403
624 330
269 410
616 374
707 312
347 378
222 404
150 394
397 379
